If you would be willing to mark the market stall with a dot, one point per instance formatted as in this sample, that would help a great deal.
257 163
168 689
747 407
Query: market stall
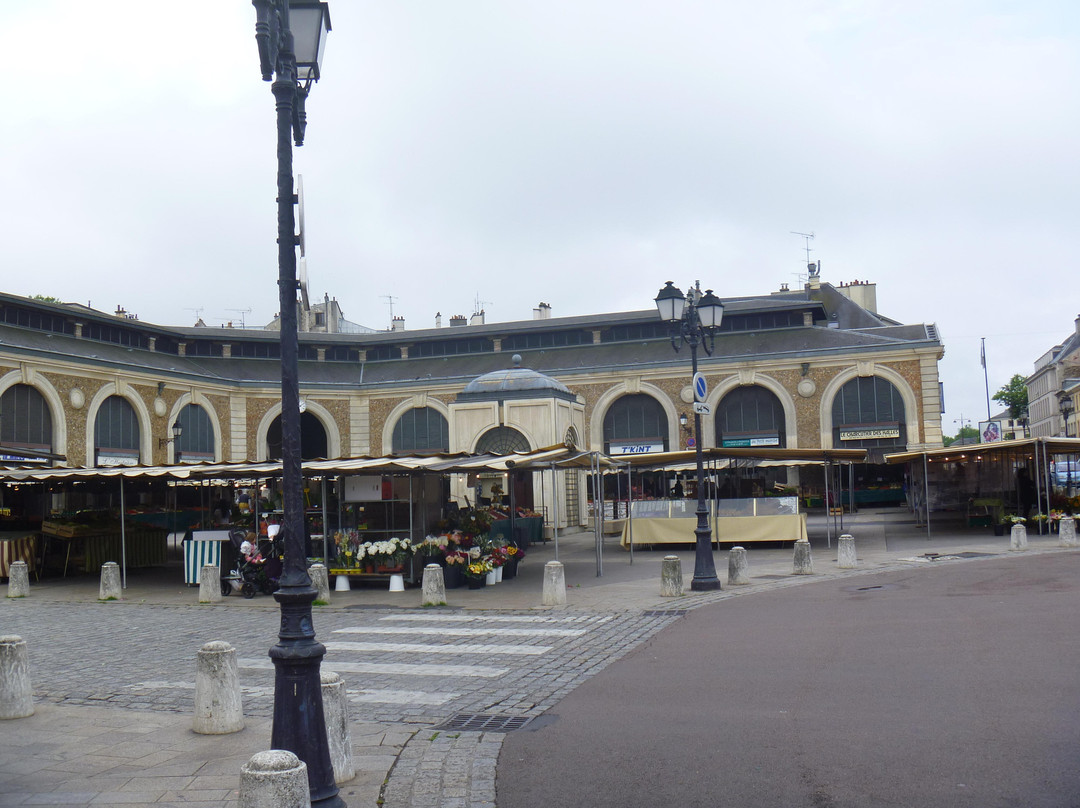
15 546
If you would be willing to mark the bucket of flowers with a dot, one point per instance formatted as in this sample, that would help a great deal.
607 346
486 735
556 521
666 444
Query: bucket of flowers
514 556
454 573
476 572
432 550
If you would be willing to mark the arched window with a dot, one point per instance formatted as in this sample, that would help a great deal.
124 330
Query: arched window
25 420
313 443
421 429
868 413
196 441
116 433
502 440
750 416
635 424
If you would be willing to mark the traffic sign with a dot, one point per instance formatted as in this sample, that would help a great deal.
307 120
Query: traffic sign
701 390
701 408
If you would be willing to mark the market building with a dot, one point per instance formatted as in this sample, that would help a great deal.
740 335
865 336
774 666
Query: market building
814 367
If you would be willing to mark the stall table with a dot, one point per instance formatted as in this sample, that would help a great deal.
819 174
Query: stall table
204 547
736 520
145 548
19 545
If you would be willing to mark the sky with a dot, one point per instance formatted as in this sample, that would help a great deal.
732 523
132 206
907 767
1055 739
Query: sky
493 155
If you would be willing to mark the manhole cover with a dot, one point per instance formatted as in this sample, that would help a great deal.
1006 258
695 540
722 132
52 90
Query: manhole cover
479 722
665 612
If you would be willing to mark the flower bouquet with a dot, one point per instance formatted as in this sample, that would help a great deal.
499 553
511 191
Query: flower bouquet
476 572
454 573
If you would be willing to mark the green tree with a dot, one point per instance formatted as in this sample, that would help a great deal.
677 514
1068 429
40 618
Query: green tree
1013 395
46 299
965 432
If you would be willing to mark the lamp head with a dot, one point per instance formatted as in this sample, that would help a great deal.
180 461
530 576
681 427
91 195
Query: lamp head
670 302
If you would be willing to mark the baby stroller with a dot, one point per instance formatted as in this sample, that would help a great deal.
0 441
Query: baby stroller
254 568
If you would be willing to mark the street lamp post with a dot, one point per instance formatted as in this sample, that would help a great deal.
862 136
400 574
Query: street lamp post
299 725
694 320
1066 405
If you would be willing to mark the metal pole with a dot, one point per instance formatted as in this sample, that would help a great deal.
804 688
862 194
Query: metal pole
704 565
123 533
828 509
926 492
325 522
630 508
555 509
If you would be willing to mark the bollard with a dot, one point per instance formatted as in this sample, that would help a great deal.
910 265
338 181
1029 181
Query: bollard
336 714
320 579
554 584
845 552
737 571
16 695
671 585
1067 530
18 585
341 583
804 561
217 690
434 586
274 779
209 583
110 582
1018 538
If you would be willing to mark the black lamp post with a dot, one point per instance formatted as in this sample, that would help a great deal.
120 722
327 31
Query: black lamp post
177 430
694 320
1066 405
299 725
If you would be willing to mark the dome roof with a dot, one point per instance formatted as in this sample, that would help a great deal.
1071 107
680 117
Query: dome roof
515 380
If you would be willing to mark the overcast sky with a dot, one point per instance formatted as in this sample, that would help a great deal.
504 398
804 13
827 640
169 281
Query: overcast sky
577 153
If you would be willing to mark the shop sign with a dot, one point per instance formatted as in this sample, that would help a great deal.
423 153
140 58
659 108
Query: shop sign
737 443
871 433
635 448
10 458
117 460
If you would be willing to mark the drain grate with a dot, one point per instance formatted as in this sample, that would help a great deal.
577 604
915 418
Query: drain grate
480 722
665 612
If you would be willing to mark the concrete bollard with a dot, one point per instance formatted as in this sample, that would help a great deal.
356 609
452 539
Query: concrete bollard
554 584
341 583
845 552
434 586
210 583
1018 538
737 568
671 585
217 690
320 579
274 779
336 714
804 561
16 695
18 585
1067 531
110 582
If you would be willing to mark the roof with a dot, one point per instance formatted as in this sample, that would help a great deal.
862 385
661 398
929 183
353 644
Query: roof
1026 446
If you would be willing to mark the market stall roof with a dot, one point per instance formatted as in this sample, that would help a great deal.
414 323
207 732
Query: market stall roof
670 460
1024 446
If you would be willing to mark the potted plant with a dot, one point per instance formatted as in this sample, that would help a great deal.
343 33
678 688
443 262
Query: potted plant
454 572
514 556
476 573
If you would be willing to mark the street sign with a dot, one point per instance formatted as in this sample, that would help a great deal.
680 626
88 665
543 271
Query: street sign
701 408
701 390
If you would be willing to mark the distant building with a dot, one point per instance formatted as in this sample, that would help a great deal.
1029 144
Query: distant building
1057 372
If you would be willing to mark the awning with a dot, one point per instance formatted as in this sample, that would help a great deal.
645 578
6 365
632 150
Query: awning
976 451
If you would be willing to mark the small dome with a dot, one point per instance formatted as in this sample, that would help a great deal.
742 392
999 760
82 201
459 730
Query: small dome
514 380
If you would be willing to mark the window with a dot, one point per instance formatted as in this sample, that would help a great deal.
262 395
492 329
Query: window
450 347
546 339
197 438
116 432
637 418
502 440
868 413
422 429
313 442
750 416
25 420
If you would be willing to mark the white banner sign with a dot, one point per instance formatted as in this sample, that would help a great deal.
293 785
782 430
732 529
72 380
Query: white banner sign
635 448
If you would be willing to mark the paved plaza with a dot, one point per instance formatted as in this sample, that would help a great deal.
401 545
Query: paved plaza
114 682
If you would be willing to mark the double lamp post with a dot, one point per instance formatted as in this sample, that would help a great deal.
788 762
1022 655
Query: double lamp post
694 319
290 35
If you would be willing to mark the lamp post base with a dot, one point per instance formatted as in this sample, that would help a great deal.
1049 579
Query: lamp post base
704 584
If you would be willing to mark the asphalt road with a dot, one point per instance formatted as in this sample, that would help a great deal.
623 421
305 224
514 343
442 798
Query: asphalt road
951 685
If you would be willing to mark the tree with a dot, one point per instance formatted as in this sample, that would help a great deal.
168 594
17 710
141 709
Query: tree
1014 396
965 432
46 299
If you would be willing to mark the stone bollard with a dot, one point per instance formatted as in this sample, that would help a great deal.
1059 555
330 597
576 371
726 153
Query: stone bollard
554 584
434 586
671 585
274 779
320 579
16 695
804 562
210 583
845 553
110 582
336 714
217 690
341 583
1067 531
737 569
1018 538
18 585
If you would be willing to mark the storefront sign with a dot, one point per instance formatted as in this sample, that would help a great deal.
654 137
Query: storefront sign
9 458
870 433
635 448
117 460
736 443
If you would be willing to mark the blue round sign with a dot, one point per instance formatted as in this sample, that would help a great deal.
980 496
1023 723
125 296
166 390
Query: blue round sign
701 390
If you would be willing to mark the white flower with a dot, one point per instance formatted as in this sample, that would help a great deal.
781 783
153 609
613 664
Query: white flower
474 552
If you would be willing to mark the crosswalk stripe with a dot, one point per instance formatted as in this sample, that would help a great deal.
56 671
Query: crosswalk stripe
423 648
452 631
401 669
494 618
362 696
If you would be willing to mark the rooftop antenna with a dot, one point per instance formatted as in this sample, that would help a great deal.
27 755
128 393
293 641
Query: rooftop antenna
808 237
390 301
198 313
478 304
241 312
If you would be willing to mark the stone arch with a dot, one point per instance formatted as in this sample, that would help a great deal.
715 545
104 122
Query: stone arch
329 425
125 392
911 408
708 425
199 400
613 394
411 403
34 379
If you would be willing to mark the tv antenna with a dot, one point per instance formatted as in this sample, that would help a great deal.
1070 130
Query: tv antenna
241 312
390 302
478 304
198 313
808 237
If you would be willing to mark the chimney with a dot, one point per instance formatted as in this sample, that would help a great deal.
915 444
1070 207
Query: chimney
542 312
438 319
815 275
457 319
477 318
399 324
